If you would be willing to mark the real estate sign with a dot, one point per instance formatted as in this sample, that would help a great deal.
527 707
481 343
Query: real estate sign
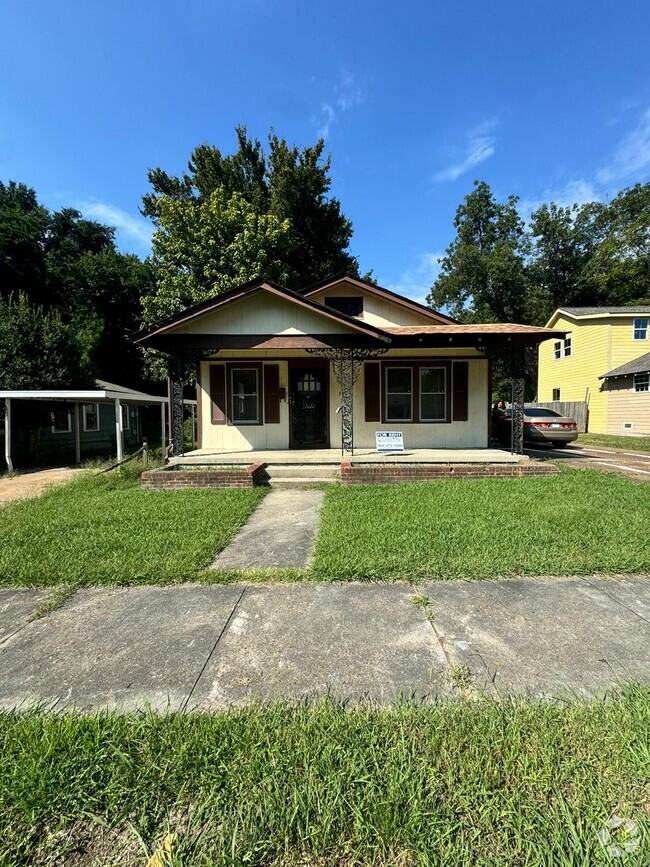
389 440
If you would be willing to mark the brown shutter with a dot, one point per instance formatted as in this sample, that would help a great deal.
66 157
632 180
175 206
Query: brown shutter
460 384
218 393
371 391
271 393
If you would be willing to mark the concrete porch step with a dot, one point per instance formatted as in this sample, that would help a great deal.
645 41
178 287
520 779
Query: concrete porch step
319 472
301 482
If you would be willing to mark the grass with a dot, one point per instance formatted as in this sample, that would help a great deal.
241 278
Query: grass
454 783
637 444
579 522
106 529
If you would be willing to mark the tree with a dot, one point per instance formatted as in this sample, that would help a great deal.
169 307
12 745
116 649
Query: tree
483 276
37 349
288 225
23 223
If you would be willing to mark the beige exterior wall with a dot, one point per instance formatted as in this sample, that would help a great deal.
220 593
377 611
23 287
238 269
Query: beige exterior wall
376 311
470 434
599 344
263 314
624 405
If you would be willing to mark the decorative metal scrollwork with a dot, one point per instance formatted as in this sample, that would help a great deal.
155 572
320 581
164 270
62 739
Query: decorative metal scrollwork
176 378
517 372
347 365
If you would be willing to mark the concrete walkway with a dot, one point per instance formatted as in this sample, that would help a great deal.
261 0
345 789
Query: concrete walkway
279 534
209 647
26 485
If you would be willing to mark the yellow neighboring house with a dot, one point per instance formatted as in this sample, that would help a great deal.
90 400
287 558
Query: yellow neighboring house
605 361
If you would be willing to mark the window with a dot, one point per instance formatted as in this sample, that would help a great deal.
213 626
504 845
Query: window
399 393
561 347
309 383
642 381
347 305
91 416
126 423
556 394
641 329
557 349
245 395
61 420
433 402
567 347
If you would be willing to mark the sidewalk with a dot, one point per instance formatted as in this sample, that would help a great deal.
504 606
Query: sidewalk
208 647
24 485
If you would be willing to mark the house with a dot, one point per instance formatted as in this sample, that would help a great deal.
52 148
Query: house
604 360
330 366
65 425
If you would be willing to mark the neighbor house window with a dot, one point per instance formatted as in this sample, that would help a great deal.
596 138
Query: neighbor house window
557 349
399 393
556 394
91 416
642 381
126 419
433 403
641 329
345 304
245 395
61 420
567 347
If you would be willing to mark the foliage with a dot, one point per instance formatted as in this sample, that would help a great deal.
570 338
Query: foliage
37 349
106 529
232 218
576 523
70 267
592 254
452 783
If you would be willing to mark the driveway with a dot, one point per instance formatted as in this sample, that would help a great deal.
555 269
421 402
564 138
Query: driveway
209 647
32 484
624 461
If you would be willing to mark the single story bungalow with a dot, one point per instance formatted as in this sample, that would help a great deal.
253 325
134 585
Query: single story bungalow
332 365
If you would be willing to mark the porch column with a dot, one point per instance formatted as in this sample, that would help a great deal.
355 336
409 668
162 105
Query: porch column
175 393
163 429
517 372
77 434
10 466
119 441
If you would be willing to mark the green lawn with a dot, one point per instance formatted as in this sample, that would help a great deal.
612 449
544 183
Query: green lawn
637 444
455 783
106 529
579 522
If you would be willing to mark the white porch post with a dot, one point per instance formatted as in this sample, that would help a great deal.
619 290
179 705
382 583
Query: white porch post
193 429
118 429
162 428
77 434
10 466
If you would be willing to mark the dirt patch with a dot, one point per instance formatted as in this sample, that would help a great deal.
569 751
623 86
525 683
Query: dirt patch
25 485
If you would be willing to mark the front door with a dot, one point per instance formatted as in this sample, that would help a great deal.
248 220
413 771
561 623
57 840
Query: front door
308 401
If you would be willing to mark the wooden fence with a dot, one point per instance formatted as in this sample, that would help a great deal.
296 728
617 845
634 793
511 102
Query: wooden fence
576 409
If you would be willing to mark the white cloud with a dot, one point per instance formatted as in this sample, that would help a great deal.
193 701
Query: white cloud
128 225
416 282
631 159
480 147
576 192
348 94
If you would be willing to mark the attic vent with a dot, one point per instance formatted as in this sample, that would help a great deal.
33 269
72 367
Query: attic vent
627 425
346 304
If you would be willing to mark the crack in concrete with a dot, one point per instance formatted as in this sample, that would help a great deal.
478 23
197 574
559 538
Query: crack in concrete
614 599
184 705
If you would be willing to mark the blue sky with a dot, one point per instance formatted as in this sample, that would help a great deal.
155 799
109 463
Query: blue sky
542 99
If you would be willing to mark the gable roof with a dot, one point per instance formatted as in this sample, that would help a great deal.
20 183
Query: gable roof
599 312
638 365
380 292
247 290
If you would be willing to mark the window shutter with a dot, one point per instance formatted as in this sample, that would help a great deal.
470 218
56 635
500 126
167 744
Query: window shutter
460 390
271 393
218 393
371 391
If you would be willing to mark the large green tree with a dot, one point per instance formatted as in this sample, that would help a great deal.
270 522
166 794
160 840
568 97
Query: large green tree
233 217
483 276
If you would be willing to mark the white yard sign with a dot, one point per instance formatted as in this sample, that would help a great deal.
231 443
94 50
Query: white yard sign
389 440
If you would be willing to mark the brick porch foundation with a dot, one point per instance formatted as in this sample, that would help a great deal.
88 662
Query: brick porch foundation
170 478
384 474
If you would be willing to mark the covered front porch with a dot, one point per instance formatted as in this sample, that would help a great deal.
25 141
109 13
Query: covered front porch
332 457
